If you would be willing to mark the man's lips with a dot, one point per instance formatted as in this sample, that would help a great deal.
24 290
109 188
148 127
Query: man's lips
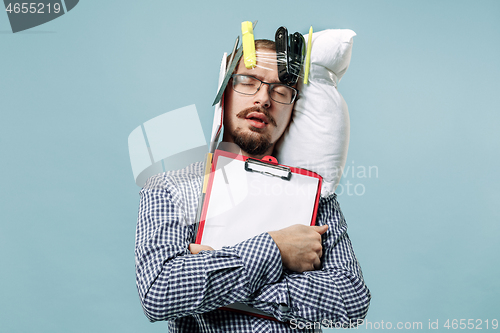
257 120
257 116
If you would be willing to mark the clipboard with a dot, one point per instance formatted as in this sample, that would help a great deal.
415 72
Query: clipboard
246 197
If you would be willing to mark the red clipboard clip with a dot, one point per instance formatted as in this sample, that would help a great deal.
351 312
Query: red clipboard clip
268 168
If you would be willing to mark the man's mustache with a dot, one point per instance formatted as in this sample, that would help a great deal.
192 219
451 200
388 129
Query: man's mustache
243 114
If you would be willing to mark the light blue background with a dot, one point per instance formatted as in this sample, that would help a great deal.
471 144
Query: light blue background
423 97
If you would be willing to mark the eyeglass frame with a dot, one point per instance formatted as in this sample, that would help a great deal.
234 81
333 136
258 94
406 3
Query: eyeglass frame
270 88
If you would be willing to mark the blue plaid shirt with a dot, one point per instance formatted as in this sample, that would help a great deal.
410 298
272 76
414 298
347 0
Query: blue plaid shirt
188 290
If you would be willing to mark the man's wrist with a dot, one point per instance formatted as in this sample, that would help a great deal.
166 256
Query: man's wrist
262 260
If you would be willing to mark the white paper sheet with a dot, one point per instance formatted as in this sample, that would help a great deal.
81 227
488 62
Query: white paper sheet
244 204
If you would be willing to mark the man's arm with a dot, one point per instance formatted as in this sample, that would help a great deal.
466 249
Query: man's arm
336 292
174 283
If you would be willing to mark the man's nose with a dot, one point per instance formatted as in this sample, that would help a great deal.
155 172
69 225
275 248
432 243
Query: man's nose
262 97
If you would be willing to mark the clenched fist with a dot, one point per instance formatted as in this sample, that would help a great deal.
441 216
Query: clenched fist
300 246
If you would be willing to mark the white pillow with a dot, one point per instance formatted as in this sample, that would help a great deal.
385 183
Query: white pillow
318 136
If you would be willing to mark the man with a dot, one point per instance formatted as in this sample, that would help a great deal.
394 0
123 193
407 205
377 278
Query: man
297 274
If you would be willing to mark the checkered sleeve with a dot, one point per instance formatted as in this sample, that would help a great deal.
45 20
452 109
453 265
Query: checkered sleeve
174 283
336 293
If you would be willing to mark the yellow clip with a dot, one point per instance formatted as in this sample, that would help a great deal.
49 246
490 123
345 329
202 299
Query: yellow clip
308 55
248 42
208 169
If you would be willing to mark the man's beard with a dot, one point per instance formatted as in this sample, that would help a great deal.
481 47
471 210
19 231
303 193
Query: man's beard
254 142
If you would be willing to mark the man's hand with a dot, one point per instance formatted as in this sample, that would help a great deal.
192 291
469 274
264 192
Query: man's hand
195 248
300 246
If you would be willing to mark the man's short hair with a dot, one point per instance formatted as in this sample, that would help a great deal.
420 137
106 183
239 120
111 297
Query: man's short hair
265 44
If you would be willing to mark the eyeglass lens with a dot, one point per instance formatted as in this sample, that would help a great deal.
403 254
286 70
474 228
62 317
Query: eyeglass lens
248 85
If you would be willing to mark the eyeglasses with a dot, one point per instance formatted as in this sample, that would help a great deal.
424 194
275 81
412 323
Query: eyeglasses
249 85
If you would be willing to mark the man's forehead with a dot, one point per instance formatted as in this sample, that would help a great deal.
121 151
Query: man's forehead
266 68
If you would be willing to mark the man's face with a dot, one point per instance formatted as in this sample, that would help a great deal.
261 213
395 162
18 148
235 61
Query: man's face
255 122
